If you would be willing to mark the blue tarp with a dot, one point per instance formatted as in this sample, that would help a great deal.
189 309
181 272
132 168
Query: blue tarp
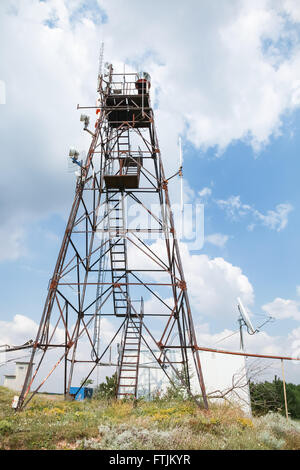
85 392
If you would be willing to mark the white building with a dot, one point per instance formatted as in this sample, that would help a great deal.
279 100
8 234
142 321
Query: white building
15 382
225 378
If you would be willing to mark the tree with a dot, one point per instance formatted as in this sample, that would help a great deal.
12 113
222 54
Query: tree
269 396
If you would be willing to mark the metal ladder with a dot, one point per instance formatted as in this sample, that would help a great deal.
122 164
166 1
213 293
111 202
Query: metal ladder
123 144
99 293
118 252
129 358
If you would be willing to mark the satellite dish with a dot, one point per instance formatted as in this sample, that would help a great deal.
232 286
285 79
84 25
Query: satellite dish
245 318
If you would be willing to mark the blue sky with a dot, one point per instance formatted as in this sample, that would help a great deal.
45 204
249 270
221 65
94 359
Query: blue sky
228 84
269 258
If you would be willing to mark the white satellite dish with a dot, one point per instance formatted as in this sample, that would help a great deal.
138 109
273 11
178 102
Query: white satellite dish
245 318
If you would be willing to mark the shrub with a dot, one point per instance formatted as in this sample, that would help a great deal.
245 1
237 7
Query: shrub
6 427
107 389
124 436
276 432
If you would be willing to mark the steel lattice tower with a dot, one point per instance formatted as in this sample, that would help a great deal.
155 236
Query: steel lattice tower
99 271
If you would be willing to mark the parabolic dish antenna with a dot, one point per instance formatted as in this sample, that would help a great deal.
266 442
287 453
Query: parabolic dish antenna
245 317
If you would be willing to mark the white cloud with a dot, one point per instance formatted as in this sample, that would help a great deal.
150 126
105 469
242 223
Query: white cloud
274 219
11 241
18 331
217 239
283 308
213 284
233 206
260 343
48 70
205 192
22 328
294 342
292 8
228 90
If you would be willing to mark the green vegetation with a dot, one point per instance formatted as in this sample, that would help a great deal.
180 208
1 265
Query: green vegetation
269 396
85 382
160 424
107 389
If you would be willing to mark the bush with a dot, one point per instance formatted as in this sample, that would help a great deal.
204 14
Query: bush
177 390
108 389
124 437
5 427
277 433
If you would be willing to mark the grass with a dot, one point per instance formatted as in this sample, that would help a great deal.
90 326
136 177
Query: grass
51 423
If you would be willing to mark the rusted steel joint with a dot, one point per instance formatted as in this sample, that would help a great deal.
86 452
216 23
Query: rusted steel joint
116 284
53 284
182 285
165 185
160 345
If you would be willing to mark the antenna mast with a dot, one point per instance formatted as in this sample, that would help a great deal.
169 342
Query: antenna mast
101 55
106 266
